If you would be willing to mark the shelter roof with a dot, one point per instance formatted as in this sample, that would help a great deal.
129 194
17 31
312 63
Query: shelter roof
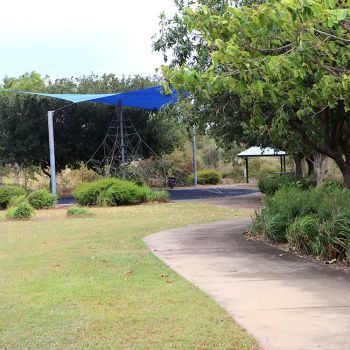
261 152
150 98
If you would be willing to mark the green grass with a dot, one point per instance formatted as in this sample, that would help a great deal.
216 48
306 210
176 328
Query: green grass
90 283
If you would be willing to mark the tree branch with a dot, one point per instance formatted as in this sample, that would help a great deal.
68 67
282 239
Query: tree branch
345 25
334 70
332 36
311 144
288 46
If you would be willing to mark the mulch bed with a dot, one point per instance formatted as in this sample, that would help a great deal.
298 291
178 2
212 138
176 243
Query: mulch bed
286 247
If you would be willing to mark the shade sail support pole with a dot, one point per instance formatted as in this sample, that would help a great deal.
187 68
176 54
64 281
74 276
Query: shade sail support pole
122 139
52 152
194 152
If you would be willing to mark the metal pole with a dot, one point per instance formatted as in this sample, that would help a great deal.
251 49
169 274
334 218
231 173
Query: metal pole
246 170
281 165
52 151
194 149
122 140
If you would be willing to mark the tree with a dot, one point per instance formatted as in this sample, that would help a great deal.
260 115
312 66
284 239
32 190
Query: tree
228 121
284 65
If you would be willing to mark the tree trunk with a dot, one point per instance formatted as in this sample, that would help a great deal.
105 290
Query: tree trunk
310 166
16 170
320 163
298 161
346 177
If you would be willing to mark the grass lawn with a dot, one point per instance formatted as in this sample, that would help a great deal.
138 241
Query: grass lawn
91 283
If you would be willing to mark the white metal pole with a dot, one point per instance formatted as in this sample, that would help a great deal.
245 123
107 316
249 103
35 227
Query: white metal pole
194 149
52 151
122 141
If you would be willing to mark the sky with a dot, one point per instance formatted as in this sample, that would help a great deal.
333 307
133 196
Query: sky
75 37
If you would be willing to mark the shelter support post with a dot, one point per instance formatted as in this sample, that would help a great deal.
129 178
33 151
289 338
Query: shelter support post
52 152
194 151
122 139
246 170
284 164
281 158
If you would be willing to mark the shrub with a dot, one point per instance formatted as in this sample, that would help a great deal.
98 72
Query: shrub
270 225
307 183
237 174
41 199
111 192
315 221
303 234
8 192
283 208
333 200
207 177
23 212
159 196
332 184
335 235
78 212
269 185
16 201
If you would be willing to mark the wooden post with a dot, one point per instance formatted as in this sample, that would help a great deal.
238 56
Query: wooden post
281 158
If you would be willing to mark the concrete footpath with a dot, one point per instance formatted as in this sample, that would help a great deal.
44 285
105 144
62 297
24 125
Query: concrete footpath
284 301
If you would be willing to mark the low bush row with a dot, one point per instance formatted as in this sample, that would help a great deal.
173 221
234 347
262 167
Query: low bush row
270 184
112 192
314 221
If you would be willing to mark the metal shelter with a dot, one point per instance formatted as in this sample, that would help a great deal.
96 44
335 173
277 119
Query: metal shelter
262 152
151 99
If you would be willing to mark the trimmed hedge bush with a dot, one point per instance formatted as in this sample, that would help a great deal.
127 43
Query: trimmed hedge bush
315 221
207 177
41 199
112 192
8 192
23 212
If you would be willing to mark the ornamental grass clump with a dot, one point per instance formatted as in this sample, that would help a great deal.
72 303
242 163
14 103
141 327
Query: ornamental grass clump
23 211
315 222
76 211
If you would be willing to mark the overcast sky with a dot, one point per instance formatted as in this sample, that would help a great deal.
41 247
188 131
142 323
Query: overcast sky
74 37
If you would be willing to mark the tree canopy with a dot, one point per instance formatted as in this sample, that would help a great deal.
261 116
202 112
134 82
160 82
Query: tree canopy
284 65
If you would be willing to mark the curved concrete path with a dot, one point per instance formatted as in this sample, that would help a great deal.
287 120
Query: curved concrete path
284 301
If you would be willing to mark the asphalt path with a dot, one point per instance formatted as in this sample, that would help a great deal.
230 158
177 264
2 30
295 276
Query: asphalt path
182 194
208 192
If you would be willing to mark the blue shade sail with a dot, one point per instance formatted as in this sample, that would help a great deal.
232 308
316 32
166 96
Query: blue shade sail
150 98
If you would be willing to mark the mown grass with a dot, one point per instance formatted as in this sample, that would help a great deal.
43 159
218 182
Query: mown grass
90 283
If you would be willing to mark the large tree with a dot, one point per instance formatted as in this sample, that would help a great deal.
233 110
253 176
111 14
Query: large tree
286 65
228 121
